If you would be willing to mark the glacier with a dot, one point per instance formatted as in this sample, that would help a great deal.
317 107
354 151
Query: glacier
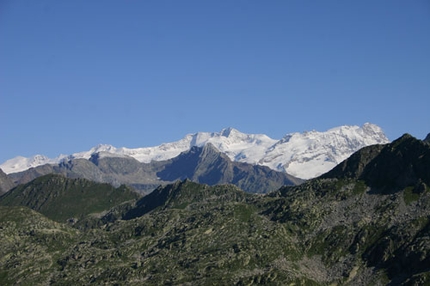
304 155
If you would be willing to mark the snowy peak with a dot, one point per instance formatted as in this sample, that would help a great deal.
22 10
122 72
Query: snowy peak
97 149
312 153
226 137
20 163
303 155
232 133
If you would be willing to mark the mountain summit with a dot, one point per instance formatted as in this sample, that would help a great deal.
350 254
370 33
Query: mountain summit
303 155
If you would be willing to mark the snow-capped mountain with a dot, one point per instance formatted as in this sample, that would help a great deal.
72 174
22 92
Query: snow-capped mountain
310 154
20 163
303 155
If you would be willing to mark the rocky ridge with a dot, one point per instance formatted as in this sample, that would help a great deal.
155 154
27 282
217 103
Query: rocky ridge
427 139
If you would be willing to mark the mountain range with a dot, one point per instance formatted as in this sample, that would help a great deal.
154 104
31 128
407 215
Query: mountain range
365 222
301 155
201 164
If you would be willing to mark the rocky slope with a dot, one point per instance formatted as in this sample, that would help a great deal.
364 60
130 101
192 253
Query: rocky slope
6 183
303 155
208 166
344 228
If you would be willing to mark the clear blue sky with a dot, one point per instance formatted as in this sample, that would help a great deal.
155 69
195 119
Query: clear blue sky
74 74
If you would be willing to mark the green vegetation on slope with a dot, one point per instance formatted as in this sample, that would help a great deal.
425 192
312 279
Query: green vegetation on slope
30 246
61 199
322 232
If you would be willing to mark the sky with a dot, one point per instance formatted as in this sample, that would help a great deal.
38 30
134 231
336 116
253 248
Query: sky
74 74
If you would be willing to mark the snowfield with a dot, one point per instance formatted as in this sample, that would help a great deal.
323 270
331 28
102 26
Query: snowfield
304 155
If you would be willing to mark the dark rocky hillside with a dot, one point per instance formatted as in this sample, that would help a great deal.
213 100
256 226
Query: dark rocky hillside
392 167
344 228
427 139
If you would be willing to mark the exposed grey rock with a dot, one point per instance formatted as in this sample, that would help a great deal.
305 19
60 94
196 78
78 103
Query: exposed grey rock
6 183
209 166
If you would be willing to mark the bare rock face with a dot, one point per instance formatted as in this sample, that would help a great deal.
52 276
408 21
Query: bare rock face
6 183
207 165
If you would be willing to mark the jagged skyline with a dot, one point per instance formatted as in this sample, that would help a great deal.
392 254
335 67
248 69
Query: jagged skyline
303 155
76 74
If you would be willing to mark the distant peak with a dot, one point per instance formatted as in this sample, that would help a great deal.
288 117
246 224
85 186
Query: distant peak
226 132
104 147
368 124
427 139
372 127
